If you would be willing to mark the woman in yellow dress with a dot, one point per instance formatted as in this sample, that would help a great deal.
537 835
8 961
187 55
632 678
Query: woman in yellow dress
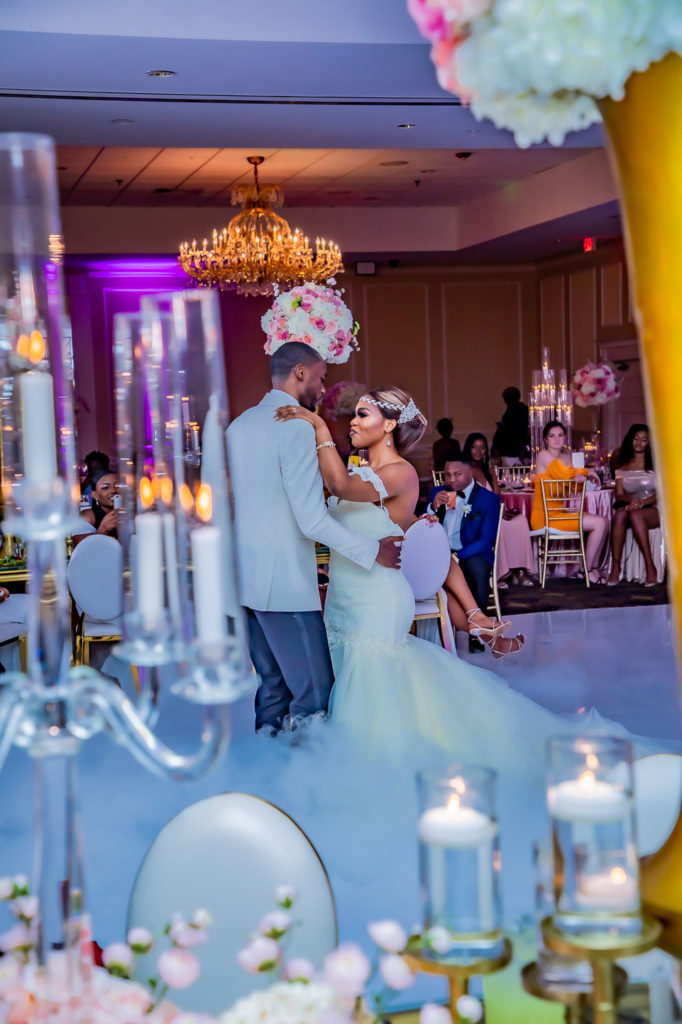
554 464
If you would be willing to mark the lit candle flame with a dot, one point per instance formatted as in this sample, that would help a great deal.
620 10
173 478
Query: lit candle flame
586 779
453 803
186 499
204 503
458 784
619 876
23 346
166 489
146 492
36 347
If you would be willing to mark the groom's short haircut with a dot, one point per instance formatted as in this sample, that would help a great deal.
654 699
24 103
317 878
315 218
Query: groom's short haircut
466 459
289 355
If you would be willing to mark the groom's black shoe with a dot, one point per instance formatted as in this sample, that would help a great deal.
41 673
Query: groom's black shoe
475 645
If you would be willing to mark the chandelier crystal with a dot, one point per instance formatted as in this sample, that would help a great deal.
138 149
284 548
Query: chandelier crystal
258 250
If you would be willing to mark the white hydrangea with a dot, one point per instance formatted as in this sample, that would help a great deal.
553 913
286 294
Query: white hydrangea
532 66
288 1003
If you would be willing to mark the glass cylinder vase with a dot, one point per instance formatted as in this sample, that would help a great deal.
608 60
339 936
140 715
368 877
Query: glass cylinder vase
39 488
591 806
177 497
459 858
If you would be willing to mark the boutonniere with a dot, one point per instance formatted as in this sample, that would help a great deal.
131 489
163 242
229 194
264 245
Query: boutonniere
467 510
470 514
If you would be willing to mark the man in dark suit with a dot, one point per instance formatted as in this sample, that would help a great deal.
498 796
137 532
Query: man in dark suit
470 515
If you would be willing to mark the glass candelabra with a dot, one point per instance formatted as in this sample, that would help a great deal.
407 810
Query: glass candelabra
53 708
549 402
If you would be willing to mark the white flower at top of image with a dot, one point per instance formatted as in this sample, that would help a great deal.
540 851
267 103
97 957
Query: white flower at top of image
140 940
178 968
433 1014
469 1008
184 935
118 959
275 924
299 969
388 935
201 918
439 940
288 1003
262 954
395 972
347 969
286 896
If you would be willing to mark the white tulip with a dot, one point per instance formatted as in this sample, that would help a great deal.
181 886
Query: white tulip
388 935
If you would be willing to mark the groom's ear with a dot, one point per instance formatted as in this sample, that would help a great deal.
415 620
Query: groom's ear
299 371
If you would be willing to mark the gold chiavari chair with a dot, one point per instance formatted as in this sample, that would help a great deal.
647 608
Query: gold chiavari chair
438 476
563 502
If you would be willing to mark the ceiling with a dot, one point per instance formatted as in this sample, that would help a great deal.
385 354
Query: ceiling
153 176
317 87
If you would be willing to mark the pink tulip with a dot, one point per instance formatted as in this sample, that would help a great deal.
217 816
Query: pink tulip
260 955
178 968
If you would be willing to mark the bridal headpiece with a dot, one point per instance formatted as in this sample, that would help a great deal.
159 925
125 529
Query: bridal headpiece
316 315
407 412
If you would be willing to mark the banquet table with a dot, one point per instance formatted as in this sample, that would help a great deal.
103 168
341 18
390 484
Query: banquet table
598 502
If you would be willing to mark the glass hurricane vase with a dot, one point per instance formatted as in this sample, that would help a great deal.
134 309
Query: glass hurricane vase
645 139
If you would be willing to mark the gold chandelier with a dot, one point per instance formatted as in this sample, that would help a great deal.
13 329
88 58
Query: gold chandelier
258 249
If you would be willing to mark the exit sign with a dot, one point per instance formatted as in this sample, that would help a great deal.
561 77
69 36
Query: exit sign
589 244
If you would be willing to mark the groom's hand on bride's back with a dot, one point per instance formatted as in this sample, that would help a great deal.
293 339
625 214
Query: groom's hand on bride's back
390 551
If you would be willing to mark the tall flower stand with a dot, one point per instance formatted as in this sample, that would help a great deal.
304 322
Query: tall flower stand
645 135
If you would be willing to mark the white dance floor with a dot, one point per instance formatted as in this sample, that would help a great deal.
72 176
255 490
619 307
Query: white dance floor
360 816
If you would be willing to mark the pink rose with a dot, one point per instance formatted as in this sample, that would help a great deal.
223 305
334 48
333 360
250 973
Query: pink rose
395 972
443 56
260 955
429 19
299 969
275 924
319 323
178 968
306 305
347 969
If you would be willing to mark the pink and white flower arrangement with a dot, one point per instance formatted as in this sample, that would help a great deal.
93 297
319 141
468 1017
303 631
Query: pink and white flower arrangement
534 66
594 384
315 315
335 994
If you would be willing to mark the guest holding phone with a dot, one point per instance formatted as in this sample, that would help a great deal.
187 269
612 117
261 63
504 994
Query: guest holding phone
103 516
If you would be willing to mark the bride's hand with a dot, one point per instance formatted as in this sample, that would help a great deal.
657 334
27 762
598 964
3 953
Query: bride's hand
297 412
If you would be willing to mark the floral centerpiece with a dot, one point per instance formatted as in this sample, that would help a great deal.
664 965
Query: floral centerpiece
535 66
336 994
594 384
316 315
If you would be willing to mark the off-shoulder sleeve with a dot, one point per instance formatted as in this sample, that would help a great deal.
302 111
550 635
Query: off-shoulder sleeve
370 477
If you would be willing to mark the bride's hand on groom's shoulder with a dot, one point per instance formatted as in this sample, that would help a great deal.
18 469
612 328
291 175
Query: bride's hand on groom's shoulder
430 518
297 412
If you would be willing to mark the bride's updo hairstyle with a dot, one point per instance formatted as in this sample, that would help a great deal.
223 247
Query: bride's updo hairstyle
390 401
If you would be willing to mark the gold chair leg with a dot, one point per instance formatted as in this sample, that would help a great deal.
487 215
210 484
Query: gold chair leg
85 650
584 558
135 673
545 553
23 652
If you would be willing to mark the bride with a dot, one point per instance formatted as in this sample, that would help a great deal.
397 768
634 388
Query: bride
397 691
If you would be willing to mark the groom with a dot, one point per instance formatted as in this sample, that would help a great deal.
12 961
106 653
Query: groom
280 512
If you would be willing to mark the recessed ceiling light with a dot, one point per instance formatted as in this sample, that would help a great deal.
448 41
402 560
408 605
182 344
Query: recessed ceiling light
121 120
428 170
393 163
407 125
160 73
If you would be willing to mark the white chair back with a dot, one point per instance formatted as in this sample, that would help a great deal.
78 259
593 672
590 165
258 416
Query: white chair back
228 853
658 786
426 558
96 577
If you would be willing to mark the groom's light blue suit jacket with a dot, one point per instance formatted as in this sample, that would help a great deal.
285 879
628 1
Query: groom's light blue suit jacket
280 510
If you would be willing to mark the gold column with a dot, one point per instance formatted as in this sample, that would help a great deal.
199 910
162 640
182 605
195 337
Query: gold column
645 132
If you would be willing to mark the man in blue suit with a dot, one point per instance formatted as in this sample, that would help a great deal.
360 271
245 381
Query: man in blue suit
470 522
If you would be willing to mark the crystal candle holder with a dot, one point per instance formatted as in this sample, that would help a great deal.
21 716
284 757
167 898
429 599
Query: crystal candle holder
459 858
39 487
595 864
552 968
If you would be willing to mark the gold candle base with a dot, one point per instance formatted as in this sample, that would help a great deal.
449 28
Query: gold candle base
575 998
458 974
602 952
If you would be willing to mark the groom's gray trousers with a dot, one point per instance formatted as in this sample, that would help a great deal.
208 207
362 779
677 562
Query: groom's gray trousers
290 654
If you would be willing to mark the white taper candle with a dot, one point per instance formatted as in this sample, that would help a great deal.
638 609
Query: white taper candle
149 565
208 609
38 427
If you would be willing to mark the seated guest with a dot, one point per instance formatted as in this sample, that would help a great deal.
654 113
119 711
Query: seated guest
636 504
446 447
554 463
470 515
103 516
95 464
515 552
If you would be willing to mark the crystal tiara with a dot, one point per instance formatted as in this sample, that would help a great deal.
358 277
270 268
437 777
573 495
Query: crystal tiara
407 412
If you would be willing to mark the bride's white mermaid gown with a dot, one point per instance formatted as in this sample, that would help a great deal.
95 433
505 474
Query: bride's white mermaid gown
402 694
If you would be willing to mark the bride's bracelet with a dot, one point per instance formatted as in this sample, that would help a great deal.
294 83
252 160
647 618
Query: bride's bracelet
325 444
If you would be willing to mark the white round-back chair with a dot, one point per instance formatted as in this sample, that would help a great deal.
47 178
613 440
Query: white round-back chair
95 577
426 558
228 854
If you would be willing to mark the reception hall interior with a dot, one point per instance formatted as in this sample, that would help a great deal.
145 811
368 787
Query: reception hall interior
461 801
